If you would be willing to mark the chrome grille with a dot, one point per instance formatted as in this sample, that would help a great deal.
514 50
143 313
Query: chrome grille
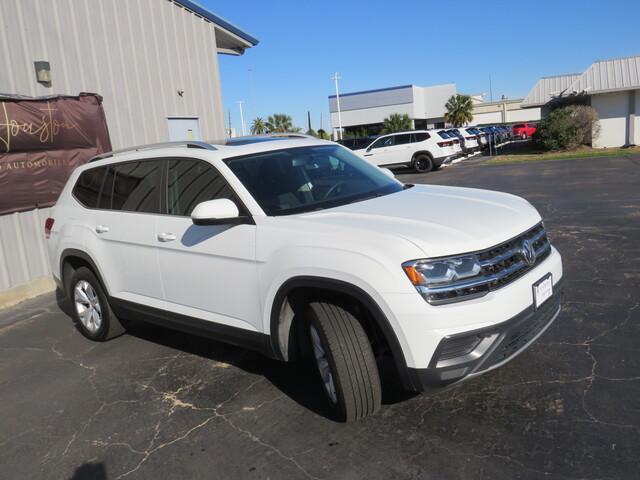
501 265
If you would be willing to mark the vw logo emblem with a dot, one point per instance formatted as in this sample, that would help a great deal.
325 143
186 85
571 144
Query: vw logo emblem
528 252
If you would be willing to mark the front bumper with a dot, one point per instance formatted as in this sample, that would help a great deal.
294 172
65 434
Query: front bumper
465 355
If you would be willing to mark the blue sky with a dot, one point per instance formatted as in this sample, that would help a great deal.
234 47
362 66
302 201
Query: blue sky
377 44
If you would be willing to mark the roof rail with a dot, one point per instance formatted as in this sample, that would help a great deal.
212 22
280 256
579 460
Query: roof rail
289 135
152 146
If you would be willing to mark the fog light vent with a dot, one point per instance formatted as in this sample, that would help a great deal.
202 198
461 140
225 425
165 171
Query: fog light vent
459 347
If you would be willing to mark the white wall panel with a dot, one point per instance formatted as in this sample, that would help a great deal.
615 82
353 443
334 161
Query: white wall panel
612 109
23 253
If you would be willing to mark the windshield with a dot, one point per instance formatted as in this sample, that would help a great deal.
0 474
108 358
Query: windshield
297 180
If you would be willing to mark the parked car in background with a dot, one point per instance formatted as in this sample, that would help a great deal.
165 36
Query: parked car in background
524 130
491 134
453 138
298 248
482 137
421 149
468 140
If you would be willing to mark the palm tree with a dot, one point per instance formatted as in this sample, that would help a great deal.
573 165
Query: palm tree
396 122
459 110
280 123
258 127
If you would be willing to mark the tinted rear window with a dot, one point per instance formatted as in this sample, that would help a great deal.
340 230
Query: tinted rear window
403 139
133 187
87 188
444 134
421 136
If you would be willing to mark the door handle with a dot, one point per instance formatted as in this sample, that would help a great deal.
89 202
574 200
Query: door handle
102 229
368 154
166 237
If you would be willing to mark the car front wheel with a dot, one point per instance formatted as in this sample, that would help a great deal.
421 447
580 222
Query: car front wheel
345 361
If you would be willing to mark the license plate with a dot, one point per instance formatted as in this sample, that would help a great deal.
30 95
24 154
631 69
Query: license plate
542 290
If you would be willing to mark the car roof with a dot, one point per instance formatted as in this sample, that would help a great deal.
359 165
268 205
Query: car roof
238 146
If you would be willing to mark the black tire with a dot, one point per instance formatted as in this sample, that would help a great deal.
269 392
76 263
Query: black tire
422 163
109 325
357 392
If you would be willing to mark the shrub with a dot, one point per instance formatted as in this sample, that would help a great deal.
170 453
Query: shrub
566 128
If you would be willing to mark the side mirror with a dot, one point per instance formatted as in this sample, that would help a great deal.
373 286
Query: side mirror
388 173
215 212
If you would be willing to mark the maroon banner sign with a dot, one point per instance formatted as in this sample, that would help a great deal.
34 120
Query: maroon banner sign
41 141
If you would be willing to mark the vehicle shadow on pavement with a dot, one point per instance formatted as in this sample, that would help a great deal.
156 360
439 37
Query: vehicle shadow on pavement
90 471
298 380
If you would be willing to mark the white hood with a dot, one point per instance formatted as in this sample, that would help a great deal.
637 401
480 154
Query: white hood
439 220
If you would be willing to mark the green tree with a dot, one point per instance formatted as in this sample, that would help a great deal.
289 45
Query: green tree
323 135
280 123
459 110
396 122
258 126
312 132
568 127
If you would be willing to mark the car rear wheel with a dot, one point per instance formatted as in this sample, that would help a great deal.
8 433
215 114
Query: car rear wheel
91 310
422 163
345 361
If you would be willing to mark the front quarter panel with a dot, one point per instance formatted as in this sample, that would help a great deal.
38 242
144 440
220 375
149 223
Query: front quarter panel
287 249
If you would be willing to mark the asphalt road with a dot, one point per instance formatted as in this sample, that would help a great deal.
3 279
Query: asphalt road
158 404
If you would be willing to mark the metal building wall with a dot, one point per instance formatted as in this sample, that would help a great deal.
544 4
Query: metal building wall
136 54
23 253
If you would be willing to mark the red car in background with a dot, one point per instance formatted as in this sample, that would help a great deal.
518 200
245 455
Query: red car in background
524 130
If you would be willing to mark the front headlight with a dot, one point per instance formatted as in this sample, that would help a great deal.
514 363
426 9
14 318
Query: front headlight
433 278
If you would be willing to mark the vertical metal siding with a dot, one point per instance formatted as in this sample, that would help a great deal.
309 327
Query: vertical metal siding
137 55
23 252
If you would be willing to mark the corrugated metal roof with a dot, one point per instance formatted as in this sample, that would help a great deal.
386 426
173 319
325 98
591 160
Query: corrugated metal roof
548 87
609 75
218 20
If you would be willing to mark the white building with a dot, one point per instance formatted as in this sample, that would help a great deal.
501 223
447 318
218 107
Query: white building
424 105
368 109
503 111
611 87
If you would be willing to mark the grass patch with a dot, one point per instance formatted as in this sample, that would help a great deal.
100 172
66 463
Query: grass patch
531 156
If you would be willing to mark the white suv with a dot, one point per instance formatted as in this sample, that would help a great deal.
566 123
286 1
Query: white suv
293 246
424 150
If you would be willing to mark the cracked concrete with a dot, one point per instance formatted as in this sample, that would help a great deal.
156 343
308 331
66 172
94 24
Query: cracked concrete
159 404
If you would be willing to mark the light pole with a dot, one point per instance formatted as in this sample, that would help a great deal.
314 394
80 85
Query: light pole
251 97
241 118
335 78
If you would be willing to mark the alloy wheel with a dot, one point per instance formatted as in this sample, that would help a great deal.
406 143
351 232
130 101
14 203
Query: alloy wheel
88 306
